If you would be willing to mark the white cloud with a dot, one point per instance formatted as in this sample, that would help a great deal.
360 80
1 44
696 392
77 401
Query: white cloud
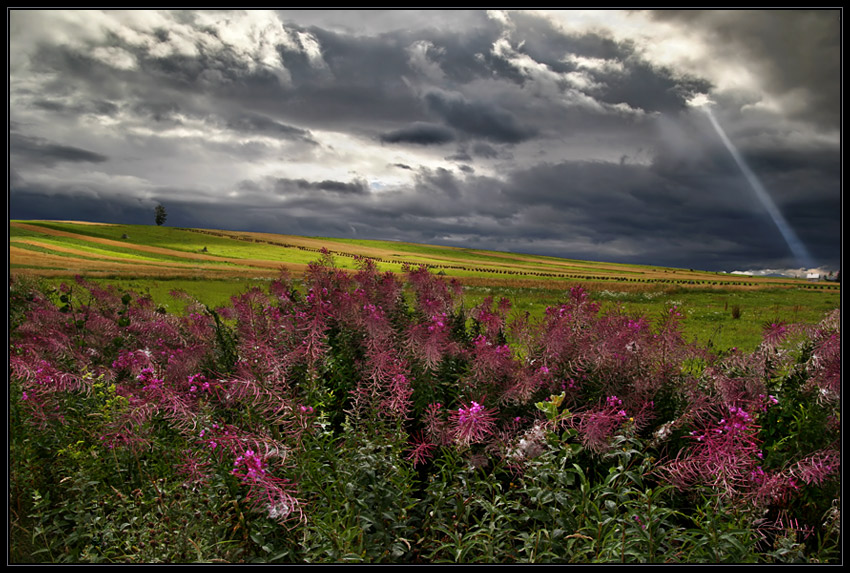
596 64
684 49
115 57
419 59
311 48
800 273
252 36
500 16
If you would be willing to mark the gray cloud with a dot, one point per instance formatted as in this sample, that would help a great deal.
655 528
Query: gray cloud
420 133
460 156
97 108
478 118
484 150
40 151
255 123
334 187
797 53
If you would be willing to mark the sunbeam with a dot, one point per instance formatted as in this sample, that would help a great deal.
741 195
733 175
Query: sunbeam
794 243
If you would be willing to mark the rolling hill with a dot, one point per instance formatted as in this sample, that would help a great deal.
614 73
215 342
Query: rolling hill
67 248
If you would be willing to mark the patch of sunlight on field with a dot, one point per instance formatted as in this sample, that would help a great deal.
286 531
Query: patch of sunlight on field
214 293
44 246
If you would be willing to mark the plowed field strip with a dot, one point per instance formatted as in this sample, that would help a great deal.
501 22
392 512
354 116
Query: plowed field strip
44 264
389 255
263 264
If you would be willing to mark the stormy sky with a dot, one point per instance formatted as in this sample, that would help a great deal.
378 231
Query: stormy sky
577 134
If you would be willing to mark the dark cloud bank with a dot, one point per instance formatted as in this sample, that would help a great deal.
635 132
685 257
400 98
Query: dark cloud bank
520 136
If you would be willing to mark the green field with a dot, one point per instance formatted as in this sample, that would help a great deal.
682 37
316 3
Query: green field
720 311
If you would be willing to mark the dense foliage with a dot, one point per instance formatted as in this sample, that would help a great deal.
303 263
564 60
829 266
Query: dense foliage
359 418
160 215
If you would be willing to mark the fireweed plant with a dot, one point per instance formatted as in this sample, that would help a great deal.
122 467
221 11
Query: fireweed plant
358 417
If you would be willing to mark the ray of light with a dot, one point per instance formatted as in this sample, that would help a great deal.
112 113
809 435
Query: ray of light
794 243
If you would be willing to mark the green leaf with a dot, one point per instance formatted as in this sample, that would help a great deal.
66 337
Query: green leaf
550 406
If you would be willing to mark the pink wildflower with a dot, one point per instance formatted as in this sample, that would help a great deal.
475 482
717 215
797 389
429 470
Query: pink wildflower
422 450
266 492
774 333
818 467
249 466
436 425
472 424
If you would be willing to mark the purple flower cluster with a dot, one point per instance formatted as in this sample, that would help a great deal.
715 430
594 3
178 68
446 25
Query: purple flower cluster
472 423
149 381
199 383
249 466
353 345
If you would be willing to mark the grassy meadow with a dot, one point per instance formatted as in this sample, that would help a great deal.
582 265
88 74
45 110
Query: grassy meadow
722 311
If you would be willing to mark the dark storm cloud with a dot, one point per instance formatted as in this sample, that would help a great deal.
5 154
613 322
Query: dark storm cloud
604 202
778 159
459 156
285 186
797 51
608 197
254 123
630 80
547 44
104 108
633 81
462 38
484 150
660 207
650 88
35 205
441 181
586 208
39 151
363 83
468 57
479 119
420 133
158 111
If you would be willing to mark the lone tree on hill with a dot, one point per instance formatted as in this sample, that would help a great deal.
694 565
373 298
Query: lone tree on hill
160 214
